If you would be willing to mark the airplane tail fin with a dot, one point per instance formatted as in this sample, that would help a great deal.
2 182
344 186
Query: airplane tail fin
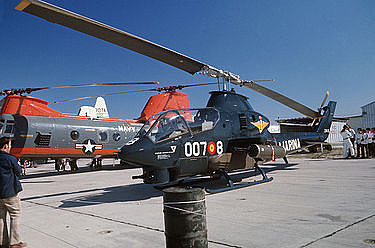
326 121
101 108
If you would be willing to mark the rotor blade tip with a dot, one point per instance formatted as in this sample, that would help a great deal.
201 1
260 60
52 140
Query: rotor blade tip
22 5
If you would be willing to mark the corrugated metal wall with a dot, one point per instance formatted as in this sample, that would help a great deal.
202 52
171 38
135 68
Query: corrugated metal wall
334 133
368 113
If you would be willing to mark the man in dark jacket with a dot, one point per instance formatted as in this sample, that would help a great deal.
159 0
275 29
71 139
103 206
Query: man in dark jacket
10 185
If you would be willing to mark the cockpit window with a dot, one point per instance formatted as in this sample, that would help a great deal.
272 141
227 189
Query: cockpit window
9 127
203 120
1 124
170 124
2 102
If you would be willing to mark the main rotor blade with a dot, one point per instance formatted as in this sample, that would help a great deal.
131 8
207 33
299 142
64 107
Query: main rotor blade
281 99
29 90
324 100
94 84
102 31
107 94
107 33
167 88
264 80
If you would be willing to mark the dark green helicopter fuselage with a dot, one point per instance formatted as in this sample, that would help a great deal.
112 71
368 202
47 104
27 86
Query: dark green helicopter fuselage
232 132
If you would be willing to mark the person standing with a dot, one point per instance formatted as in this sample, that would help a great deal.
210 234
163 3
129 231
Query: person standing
10 203
345 133
352 135
370 142
364 144
358 141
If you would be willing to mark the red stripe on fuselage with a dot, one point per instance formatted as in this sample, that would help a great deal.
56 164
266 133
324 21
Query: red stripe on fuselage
18 152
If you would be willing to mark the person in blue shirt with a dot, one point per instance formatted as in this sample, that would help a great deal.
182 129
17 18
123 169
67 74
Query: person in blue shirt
10 186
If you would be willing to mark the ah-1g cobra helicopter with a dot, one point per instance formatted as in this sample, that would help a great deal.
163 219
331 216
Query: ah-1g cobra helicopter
227 135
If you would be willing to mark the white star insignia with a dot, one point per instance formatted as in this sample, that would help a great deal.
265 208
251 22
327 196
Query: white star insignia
89 147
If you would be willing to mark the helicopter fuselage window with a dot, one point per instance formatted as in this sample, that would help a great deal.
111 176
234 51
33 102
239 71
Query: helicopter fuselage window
74 135
116 136
103 136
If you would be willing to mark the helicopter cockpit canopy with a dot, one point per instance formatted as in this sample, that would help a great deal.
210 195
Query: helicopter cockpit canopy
172 123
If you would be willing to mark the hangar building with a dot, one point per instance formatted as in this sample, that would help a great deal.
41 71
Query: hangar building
368 115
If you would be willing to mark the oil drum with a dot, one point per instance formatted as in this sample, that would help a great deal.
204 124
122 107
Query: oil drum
185 217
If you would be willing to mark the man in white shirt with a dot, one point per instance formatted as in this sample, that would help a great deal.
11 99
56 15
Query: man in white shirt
345 133
352 135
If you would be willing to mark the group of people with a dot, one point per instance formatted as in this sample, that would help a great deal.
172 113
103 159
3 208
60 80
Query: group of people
363 140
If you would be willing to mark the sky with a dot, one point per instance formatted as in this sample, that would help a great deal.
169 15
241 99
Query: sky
308 47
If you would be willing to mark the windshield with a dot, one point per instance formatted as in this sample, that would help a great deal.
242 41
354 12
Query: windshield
170 124
1 103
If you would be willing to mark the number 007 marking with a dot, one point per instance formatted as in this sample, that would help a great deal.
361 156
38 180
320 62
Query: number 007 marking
199 148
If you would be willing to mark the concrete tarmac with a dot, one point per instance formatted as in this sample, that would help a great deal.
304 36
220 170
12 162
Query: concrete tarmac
310 203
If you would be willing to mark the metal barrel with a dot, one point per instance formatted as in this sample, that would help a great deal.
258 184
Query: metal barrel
185 217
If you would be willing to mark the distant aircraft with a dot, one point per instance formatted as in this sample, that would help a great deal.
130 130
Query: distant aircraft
100 109
40 132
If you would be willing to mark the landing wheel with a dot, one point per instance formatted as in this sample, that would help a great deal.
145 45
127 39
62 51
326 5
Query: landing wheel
58 164
73 164
96 164
99 164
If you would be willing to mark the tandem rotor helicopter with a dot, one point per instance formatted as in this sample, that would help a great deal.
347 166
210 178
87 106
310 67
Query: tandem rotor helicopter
226 135
39 132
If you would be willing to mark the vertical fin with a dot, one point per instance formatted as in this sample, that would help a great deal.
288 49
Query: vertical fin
325 123
101 108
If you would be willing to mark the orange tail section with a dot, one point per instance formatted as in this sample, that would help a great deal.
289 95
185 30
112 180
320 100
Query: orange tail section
164 101
27 105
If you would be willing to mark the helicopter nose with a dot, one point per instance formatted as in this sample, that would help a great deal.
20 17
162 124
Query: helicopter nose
133 151
128 153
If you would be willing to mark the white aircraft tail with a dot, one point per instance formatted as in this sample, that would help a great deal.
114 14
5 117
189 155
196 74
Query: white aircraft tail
100 109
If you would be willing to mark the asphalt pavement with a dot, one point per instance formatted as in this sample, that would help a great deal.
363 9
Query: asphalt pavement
310 203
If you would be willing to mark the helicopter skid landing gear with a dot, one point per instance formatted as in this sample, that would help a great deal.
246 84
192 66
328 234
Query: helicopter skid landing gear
179 183
232 186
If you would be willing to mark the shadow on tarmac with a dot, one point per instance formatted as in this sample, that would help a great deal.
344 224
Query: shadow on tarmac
240 175
85 169
126 193
140 191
